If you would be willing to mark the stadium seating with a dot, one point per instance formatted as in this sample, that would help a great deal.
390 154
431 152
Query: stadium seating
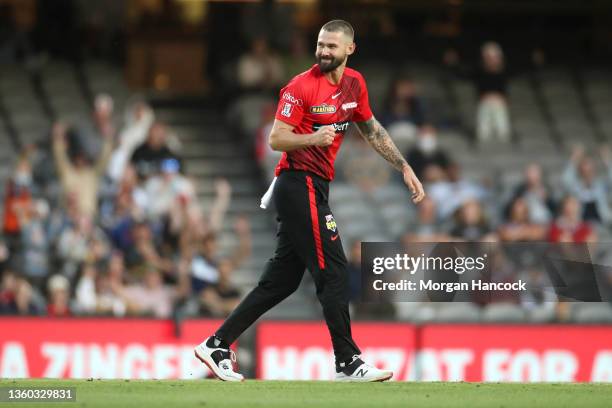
550 109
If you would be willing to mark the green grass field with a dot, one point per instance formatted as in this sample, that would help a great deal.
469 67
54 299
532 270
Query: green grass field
311 394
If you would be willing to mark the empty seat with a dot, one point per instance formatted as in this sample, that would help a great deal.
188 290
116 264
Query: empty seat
504 312
458 312
592 312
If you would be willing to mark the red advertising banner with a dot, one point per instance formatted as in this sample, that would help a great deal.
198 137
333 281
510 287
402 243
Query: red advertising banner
516 353
302 351
443 352
100 348
113 348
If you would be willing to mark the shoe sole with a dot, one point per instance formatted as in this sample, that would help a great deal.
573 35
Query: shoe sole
388 377
210 367
381 379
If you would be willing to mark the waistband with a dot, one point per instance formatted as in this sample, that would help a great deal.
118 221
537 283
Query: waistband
314 176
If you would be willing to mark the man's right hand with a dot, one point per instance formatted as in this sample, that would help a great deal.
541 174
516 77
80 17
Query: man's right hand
324 136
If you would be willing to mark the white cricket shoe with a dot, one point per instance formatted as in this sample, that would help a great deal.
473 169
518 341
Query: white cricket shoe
219 360
358 371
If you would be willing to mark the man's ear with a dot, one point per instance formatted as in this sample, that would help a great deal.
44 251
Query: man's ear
351 48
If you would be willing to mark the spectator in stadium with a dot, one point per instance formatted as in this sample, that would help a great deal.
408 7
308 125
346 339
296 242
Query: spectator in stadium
8 287
471 223
138 120
45 180
427 153
83 241
160 145
128 201
202 261
85 291
58 288
220 298
536 194
17 296
580 180
61 218
110 294
99 291
404 112
35 242
213 222
492 118
91 131
260 69
519 226
450 191
168 190
491 80
144 252
79 176
569 225
119 188
172 204
25 299
151 297
18 196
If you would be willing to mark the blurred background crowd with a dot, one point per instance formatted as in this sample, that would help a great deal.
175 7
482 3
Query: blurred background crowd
134 146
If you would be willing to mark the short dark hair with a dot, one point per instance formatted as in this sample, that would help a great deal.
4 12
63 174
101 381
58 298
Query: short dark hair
339 25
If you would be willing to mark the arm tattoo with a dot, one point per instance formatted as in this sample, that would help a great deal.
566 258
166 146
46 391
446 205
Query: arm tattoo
376 135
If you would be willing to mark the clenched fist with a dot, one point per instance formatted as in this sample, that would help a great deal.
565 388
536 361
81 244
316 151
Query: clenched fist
324 136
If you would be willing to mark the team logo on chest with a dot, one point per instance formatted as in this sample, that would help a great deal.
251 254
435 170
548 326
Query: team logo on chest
322 109
330 223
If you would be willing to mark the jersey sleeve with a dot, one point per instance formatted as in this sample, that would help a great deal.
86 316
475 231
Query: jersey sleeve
290 107
363 111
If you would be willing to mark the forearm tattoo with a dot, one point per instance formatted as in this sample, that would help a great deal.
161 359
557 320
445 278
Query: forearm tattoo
376 135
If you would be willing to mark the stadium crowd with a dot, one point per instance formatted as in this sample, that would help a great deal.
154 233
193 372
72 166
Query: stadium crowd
105 220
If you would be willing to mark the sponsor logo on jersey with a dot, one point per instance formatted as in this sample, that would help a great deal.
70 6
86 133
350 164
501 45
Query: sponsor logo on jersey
339 127
322 109
290 98
330 223
287 110
349 105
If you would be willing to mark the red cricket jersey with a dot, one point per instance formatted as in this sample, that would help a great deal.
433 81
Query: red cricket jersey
310 101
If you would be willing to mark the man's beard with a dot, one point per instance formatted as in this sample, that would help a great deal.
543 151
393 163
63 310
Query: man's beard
331 65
